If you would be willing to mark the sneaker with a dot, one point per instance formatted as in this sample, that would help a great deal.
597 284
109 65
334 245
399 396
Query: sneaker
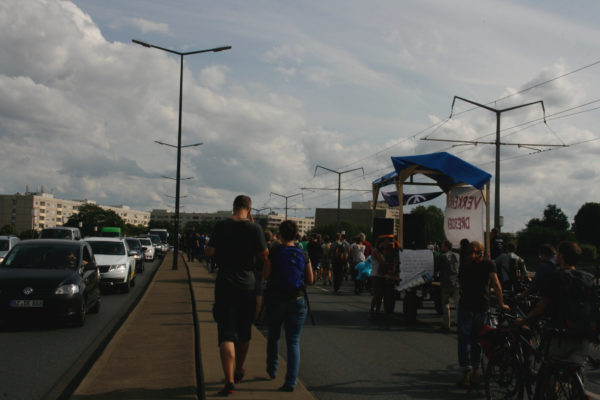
227 390
238 376
286 388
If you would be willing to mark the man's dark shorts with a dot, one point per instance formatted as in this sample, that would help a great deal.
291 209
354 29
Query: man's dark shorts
234 313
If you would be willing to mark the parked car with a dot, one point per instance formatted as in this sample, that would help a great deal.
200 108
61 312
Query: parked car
7 243
115 262
149 250
57 278
136 246
61 232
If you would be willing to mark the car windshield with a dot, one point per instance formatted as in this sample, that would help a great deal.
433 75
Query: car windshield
145 242
134 244
3 244
43 256
55 234
155 240
108 248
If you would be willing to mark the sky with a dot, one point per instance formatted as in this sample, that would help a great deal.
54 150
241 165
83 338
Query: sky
339 84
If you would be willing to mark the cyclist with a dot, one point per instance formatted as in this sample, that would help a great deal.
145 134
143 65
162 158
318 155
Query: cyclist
564 347
475 276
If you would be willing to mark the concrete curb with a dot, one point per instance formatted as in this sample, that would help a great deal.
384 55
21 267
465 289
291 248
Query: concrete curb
66 385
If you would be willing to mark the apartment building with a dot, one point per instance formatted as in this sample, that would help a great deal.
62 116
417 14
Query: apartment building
38 210
269 221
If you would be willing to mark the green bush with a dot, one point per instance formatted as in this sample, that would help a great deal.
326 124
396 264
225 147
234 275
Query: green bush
588 253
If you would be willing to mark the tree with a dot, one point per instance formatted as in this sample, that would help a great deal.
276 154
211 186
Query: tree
552 228
92 216
134 230
434 222
587 221
555 218
8 229
29 234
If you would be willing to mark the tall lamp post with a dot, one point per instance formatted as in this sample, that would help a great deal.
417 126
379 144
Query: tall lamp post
286 200
181 55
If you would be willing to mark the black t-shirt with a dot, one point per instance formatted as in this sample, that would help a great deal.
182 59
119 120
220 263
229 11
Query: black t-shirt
550 289
474 279
236 243
315 252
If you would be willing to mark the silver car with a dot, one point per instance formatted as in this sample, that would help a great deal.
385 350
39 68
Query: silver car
149 250
7 243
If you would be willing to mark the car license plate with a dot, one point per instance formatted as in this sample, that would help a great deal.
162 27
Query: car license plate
26 303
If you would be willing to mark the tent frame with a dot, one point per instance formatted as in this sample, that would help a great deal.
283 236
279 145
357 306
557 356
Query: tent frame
408 173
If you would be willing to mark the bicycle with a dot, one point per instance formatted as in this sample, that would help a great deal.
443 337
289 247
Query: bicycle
518 366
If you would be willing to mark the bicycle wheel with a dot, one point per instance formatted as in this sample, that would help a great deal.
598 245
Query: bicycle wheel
561 384
502 377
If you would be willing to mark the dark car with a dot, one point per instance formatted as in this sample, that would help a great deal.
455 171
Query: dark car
136 246
50 277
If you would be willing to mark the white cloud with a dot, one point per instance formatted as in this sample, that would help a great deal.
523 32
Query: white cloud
79 113
146 26
214 77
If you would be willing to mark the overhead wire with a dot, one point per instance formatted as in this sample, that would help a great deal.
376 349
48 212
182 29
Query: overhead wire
436 126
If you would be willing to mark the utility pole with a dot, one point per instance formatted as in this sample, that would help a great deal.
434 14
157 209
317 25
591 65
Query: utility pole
498 144
339 189
286 200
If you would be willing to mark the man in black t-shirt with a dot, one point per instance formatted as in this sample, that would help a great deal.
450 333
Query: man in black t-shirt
475 276
237 244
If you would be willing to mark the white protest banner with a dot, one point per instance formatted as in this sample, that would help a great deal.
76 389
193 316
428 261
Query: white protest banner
463 218
413 264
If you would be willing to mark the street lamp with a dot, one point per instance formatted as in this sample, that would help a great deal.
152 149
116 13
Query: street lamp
181 55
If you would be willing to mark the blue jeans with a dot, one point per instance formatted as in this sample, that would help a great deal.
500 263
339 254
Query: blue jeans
469 349
291 315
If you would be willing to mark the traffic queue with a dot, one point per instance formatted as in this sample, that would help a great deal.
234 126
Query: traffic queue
61 276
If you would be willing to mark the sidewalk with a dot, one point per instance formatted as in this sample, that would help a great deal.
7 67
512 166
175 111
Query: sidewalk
256 383
152 355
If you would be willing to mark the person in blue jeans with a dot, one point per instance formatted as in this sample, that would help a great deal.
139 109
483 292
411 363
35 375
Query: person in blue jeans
286 272
475 275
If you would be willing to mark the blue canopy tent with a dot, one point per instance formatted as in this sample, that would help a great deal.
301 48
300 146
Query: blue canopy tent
445 169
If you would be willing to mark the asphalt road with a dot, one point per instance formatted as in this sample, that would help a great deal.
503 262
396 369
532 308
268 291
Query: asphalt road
347 356
38 357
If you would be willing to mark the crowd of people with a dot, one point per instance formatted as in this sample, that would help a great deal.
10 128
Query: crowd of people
466 276
262 272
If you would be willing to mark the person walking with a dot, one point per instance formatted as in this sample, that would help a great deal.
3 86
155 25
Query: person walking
236 244
326 261
547 256
519 276
287 271
448 267
357 255
475 276
315 253
339 258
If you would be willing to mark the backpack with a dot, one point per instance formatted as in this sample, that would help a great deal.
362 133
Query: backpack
288 276
326 250
339 253
579 306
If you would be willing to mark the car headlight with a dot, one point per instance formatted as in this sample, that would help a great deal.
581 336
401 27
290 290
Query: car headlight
67 289
117 266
